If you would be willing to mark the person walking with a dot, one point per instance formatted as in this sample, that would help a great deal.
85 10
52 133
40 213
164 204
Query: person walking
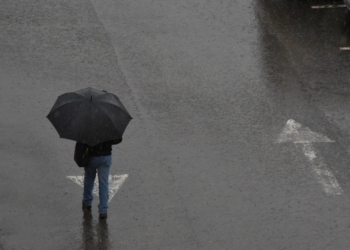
100 160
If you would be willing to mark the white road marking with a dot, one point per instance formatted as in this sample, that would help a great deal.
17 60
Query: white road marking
303 137
322 173
344 48
296 133
329 6
115 182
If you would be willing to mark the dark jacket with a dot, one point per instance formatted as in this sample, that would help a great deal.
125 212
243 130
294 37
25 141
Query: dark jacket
104 148
83 152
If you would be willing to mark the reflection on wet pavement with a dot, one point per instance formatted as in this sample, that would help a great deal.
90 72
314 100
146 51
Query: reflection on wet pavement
94 236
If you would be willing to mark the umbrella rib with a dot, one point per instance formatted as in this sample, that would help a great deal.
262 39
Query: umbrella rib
107 116
63 130
64 105
60 107
68 124
116 107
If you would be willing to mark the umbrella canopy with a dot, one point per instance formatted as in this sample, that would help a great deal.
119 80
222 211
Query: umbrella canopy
89 116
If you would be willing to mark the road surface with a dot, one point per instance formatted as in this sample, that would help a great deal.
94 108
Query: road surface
211 86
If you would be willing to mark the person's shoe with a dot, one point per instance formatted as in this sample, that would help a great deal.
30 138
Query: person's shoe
86 208
103 216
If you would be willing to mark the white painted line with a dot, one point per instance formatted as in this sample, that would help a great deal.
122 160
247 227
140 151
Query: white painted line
329 6
344 48
295 132
303 137
115 182
319 168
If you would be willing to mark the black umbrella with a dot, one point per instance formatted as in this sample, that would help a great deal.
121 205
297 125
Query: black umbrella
89 116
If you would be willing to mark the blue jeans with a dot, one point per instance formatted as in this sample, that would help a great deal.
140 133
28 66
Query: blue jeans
101 166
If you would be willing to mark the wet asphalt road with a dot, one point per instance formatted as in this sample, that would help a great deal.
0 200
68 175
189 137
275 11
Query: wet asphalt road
210 86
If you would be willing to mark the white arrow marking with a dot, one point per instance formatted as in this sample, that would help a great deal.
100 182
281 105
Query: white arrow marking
115 182
303 138
296 133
